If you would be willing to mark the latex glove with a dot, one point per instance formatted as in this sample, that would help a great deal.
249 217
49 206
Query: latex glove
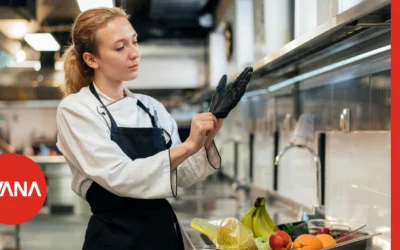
224 100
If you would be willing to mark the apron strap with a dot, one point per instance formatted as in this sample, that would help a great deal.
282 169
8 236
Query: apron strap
153 120
94 92
113 123
165 135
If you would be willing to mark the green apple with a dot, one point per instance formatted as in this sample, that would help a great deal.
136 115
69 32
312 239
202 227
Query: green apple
262 243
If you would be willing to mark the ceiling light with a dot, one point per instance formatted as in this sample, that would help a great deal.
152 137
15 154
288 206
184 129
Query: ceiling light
37 66
90 4
25 64
15 29
42 42
20 56
206 20
59 65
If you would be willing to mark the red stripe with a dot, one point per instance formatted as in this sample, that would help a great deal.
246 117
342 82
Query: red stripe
395 116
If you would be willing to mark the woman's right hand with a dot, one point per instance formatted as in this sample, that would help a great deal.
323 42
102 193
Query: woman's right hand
202 125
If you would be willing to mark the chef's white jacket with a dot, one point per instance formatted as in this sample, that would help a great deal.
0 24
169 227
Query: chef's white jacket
85 141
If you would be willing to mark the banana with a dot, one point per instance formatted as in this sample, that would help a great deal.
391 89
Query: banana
257 226
265 230
258 220
261 226
267 219
262 223
247 219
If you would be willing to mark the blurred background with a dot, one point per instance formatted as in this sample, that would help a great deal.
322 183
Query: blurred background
319 99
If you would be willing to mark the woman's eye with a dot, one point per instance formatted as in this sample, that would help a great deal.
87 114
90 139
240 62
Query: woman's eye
120 48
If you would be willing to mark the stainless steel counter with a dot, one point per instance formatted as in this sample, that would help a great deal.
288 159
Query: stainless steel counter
48 159
217 200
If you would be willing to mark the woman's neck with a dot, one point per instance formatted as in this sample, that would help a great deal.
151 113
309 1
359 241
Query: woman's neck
111 88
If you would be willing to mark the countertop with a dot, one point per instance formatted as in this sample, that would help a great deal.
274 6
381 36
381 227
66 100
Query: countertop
216 200
48 159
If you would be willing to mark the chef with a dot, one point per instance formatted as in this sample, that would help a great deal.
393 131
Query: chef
123 149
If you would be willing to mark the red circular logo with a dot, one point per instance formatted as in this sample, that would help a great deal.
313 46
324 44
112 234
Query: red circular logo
22 189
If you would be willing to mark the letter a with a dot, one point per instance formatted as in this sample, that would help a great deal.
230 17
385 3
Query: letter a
34 186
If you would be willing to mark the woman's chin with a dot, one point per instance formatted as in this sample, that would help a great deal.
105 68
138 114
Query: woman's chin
131 76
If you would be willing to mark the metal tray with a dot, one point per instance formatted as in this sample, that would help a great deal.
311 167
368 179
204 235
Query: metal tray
350 230
362 240
360 243
355 239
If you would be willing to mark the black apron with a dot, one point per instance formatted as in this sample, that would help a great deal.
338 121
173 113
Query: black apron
122 223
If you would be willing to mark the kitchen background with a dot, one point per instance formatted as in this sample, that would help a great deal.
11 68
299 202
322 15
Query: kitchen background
322 80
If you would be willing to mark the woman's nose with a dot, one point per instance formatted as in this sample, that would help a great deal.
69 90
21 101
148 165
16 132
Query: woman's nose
134 52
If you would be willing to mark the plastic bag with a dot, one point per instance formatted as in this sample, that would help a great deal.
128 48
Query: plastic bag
228 233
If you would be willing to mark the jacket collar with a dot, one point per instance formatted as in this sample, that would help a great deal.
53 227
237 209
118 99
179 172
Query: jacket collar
109 99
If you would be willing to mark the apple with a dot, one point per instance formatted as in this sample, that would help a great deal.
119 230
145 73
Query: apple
323 231
280 240
262 243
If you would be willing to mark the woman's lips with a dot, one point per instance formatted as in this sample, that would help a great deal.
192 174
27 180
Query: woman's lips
134 67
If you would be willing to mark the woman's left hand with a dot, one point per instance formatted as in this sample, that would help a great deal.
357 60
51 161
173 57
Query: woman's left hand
211 135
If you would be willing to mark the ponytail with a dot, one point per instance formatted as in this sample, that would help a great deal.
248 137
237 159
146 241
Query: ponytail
77 73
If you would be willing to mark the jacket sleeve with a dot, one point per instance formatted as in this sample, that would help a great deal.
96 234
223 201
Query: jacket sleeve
198 166
86 143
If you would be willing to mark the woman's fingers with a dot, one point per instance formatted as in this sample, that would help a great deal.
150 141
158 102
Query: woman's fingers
206 117
205 125
208 125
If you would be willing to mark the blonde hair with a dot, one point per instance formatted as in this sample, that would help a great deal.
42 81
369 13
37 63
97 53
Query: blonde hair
77 73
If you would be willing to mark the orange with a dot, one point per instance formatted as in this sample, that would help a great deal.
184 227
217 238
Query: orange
326 240
307 242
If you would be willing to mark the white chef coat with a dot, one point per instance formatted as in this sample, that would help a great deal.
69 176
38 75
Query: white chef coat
84 138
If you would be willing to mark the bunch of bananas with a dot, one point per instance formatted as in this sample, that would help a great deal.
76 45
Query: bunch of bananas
258 220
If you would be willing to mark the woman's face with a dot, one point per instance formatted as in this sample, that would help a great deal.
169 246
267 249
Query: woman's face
118 50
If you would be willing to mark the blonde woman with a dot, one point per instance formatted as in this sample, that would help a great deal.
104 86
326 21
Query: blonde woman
123 148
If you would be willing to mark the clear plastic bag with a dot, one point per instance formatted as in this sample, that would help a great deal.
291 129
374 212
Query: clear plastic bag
228 233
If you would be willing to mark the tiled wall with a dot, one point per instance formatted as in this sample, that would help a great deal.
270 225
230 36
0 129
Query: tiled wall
263 162
297 174
358 177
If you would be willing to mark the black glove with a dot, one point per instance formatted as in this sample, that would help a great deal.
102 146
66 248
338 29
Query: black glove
224 100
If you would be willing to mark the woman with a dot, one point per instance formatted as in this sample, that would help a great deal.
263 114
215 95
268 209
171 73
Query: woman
124 149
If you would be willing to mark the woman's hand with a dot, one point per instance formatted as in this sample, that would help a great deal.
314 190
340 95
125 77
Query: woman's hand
203 127
212 134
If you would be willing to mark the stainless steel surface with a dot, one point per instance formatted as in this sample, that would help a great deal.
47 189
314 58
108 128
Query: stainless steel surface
48 159
345 120
322 31
29 104
361 243
281 209
319 211
367 95
4 130
217 199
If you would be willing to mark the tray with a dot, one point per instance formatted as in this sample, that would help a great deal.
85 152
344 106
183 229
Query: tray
340 230
355 237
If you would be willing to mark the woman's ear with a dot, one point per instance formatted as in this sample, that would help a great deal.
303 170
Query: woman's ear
90 60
